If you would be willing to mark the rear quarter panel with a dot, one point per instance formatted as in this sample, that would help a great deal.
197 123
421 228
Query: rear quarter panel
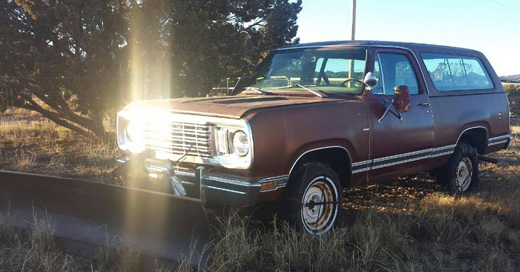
456 111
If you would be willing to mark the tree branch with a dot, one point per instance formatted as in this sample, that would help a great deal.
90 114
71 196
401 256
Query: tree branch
54 117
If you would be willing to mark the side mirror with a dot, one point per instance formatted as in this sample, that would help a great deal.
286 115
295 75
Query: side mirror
370 80
401 102
241 84
402 99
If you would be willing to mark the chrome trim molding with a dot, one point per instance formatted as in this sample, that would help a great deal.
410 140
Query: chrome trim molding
357 166
182 173
228 161
271 179
427 91
360 163
429 150
378 163
230 181
499 140
444 147
420 154
281 182
382 74
495 143
223 189
458 139
363 166
360 170
401 162
316 149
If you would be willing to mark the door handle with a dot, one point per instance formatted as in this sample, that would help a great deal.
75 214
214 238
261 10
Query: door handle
424 105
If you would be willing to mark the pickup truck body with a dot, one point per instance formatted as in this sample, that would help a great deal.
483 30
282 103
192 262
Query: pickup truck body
349 132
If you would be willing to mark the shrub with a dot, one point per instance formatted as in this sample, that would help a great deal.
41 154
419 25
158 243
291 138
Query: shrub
513 92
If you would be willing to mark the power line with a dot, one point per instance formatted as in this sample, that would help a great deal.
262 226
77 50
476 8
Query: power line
506 6
303 7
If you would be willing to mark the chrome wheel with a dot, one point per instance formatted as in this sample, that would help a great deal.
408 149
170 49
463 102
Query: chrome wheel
464 174
319 205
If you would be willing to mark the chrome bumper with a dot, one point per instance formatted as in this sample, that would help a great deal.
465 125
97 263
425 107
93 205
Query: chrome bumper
200 183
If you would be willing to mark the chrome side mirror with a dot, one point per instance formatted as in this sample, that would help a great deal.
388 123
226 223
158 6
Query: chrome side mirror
370 80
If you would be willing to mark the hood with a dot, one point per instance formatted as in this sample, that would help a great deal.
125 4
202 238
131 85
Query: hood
234 107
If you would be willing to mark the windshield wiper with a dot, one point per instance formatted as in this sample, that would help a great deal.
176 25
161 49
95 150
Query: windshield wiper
305 88
256 89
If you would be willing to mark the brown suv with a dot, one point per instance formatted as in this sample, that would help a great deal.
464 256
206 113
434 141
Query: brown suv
319 117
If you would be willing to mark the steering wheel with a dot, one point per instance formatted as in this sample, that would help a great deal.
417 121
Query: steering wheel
357 82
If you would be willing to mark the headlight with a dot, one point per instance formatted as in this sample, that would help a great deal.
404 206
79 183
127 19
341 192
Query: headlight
134 130
240 143
130 131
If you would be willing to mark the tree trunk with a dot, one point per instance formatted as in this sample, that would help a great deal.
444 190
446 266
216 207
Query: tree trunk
92 128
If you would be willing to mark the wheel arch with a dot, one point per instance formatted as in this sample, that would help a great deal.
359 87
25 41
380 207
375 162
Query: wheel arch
476 136
336 156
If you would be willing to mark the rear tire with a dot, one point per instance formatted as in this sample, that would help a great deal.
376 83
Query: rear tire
460 173
311 183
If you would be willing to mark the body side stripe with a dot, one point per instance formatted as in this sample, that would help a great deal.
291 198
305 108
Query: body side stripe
429 150
382 162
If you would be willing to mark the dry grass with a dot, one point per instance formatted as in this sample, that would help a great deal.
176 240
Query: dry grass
30 143
32 249
35 249
407 224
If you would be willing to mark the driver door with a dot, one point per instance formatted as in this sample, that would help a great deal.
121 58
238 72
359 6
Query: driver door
401 143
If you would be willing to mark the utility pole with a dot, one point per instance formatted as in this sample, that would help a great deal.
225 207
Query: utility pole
352 37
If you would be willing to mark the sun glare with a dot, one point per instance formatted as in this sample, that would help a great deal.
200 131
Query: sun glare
150 64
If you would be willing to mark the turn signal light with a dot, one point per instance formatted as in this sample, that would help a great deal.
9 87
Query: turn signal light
268 186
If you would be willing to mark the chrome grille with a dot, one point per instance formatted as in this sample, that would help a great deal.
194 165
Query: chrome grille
179 138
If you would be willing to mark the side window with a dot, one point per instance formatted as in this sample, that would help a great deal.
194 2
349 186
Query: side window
456 73
397 70
378 89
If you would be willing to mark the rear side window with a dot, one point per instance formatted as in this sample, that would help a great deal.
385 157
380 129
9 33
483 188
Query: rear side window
456 73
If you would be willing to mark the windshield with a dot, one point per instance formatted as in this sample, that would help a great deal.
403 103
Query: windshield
329 71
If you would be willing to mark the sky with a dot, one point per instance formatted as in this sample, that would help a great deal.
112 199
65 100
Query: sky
490 26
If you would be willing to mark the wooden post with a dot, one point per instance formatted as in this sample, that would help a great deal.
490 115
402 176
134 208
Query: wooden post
353 34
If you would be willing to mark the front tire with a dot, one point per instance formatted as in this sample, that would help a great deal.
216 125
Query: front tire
311 202
460 173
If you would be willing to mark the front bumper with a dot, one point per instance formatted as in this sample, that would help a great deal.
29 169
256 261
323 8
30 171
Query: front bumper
202 183
219 189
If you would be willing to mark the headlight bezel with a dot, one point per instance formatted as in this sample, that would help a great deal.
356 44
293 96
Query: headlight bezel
226 153
124 118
